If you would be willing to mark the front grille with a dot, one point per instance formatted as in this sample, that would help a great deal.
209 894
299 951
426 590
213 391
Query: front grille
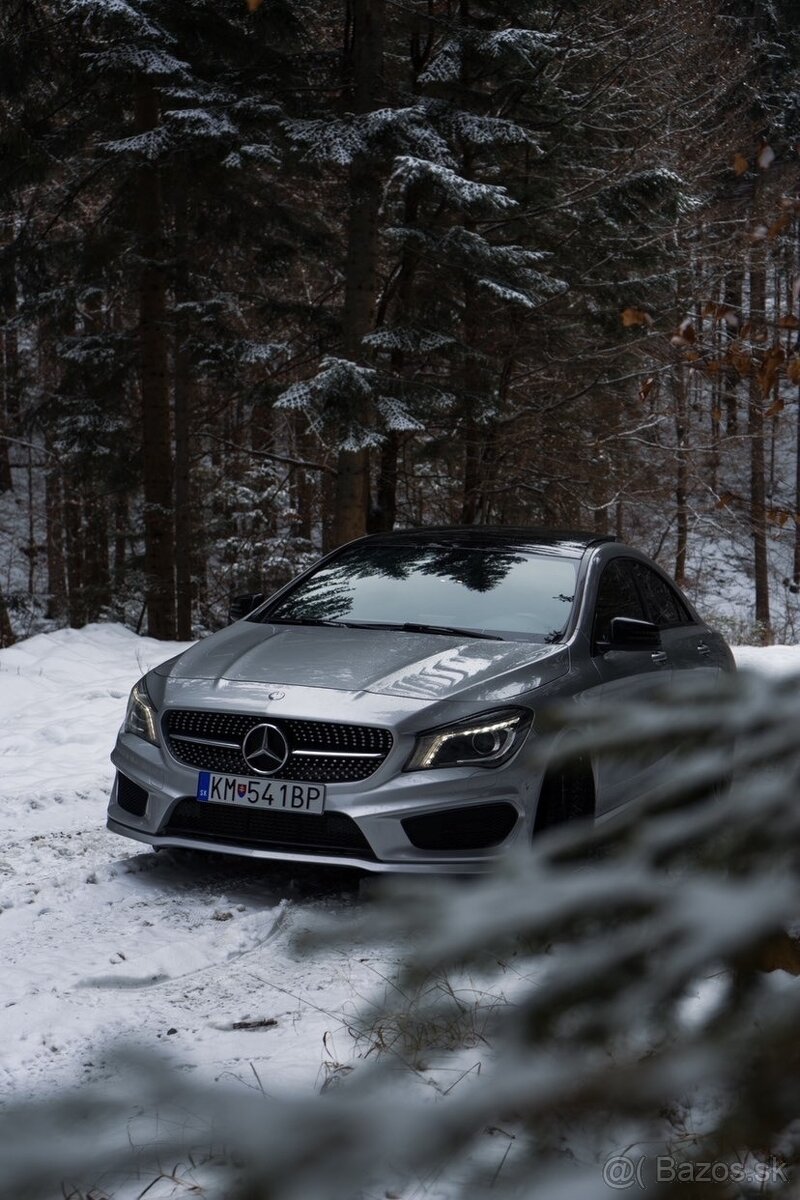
327 833
130 796
477 827
332 744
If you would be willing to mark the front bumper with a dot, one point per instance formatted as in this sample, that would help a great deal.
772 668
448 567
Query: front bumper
377 806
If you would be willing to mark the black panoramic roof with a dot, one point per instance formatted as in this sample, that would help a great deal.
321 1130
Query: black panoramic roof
564 541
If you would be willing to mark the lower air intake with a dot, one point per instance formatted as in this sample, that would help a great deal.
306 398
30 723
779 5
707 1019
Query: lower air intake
478 827
328 833
130 796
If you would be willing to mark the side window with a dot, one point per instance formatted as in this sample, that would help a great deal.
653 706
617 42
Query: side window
664 606
616 597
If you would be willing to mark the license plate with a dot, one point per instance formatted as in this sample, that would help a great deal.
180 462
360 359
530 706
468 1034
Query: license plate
245 792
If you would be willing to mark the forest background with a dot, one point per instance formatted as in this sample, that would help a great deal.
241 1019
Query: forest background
275 275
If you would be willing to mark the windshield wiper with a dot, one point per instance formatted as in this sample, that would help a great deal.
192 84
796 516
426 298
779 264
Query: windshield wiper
267 620
420 627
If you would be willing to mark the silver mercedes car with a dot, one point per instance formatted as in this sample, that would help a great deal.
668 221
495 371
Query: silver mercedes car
384 710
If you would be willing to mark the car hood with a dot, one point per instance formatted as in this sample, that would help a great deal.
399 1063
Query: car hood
386 662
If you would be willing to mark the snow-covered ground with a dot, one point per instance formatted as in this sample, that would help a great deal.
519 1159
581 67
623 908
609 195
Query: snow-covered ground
102 941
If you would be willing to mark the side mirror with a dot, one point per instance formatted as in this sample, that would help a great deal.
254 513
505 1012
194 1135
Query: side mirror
242 606
629 634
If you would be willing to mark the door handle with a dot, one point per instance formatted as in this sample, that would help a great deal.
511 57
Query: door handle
703 649
659 657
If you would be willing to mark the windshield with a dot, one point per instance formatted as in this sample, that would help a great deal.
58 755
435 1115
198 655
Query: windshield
503 591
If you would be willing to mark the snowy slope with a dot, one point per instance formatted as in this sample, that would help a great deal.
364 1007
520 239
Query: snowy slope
102 940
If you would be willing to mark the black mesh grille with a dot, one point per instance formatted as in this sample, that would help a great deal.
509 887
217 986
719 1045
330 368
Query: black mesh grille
130 796
333 740
328 833
475 828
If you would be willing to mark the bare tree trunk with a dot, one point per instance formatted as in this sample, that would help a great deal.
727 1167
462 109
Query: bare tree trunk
303 486
72 528
183 431
53 488
97 579
31 550
7 637
796 572
156 440
473 381
361 267
183 495
54 520
472 468
96 576
681 473
328 497
755 431
385 513
732 300
6 480
9 393
8 406
120 540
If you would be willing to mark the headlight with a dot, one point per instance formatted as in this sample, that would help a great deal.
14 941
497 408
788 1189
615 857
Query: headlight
141 719
488 740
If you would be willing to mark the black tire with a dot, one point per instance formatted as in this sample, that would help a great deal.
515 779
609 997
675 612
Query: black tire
567 795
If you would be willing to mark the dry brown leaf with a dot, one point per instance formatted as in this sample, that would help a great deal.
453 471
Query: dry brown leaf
720 312
635 316
646 388
254 5
716 311
790 321
712 367
768 373
740 164
684 335
778 227
793 370
741 360
726 499
773 410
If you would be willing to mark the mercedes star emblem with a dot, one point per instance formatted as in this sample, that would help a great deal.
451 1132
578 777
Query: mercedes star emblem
265 749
